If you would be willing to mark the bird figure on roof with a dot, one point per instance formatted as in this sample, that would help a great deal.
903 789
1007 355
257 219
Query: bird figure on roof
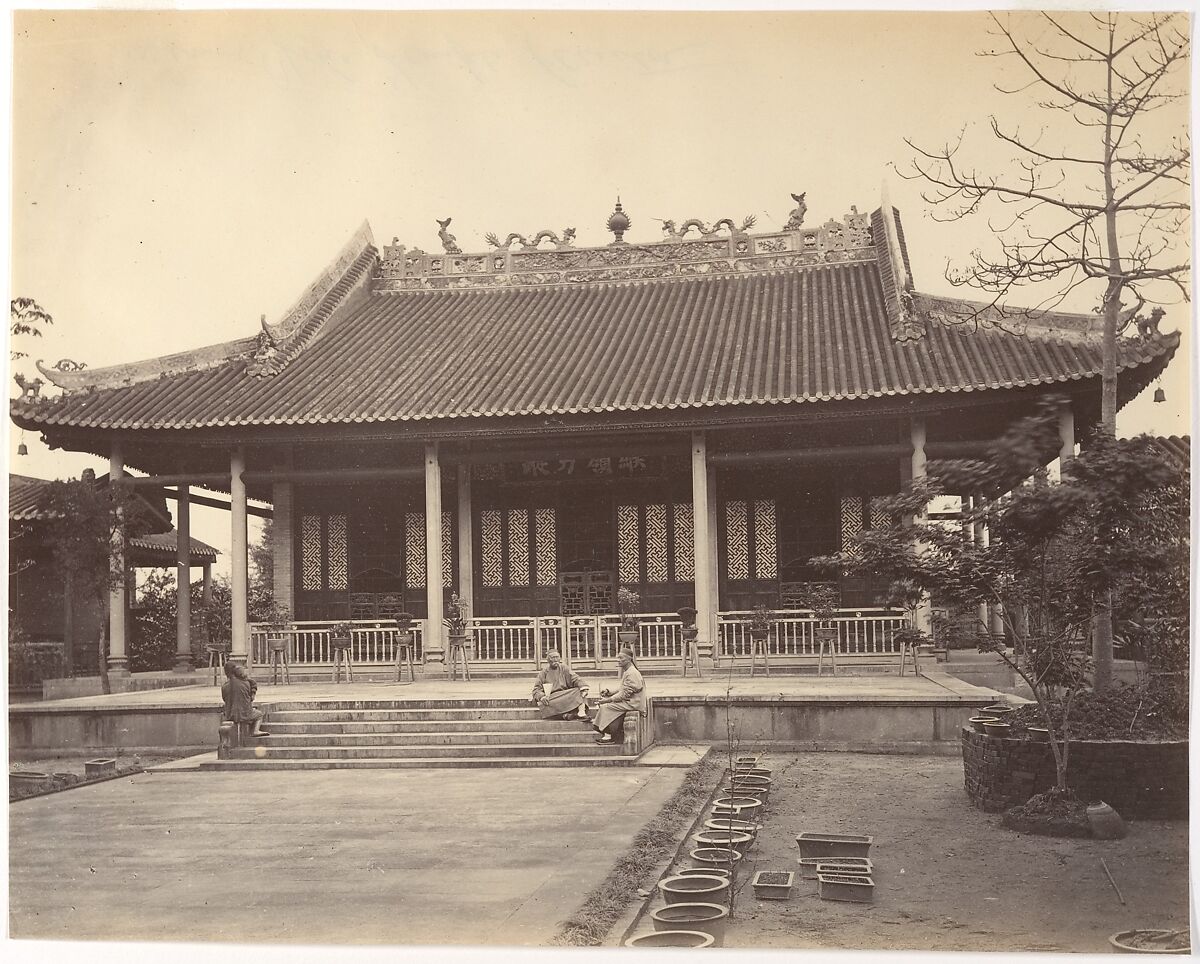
448 242
797 216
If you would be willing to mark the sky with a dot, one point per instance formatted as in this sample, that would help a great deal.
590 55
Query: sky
178 174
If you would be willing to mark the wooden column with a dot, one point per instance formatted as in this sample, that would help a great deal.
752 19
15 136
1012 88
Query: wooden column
706 616
466 561
283 521
206 587
924 613
434 643
183 583
975 504
118 662
238 561
714 567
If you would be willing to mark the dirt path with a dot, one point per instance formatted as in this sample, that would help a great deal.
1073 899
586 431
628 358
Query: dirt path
948 877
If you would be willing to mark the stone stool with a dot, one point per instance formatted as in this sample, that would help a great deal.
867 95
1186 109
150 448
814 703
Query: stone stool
279 657
458 651
340 645
404 651
216 659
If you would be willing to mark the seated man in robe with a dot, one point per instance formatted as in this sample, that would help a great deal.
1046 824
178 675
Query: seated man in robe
238 694
612 707
559 691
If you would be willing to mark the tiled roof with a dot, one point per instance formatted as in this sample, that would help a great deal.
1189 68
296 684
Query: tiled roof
1177 448
163 544
26 498
802 335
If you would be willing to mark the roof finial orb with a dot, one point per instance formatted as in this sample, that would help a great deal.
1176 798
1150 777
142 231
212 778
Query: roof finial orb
618 222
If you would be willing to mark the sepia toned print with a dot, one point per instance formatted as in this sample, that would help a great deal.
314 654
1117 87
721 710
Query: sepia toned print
796 401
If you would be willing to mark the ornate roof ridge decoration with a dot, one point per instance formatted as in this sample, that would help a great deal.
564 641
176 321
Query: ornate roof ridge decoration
276 345
1063 327
894 275
675 256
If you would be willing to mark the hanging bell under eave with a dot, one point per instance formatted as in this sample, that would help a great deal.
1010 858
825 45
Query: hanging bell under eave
1159 394
22 449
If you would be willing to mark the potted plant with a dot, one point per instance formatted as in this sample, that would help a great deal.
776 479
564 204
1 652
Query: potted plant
340 633
823 599
687 617
275 626
628 603
761 621
456 620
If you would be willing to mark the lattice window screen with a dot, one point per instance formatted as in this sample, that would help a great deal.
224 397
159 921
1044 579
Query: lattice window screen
685 562
336 565
765 554
547 558
627 544
518 547
656 543
414 549
737 548
491 542
447 551
880 517
852 522
310 552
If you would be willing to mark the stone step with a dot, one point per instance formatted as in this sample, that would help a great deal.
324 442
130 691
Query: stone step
460 706
581 735
277 725
422 763
264 751
402 716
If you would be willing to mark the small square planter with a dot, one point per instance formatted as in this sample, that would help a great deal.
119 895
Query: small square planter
773 884
100 768
834 844
812 867
850 887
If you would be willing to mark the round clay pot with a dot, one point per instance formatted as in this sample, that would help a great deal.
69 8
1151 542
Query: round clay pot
998 710
755 771
978 721
717 856
749 780
735 806
693 888
732 823
671 939
705 918
758 793
1039 734
722 838
996 728
1120 942
703 872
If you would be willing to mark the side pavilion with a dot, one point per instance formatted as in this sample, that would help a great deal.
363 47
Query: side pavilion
536 425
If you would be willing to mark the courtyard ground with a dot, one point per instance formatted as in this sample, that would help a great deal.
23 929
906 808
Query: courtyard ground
505 856
948 877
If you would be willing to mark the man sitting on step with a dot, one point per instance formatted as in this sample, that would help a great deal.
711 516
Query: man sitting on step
559 691
238 694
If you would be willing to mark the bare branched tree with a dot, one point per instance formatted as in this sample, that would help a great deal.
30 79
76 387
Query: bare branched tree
1096 197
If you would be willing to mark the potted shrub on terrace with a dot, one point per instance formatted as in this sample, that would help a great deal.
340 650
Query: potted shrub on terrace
628 603
762 619
456 620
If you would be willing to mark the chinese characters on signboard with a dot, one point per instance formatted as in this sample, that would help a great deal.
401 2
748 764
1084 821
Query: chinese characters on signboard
595 468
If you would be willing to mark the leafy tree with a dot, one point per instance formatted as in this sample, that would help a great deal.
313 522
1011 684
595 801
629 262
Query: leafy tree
1094 196
85 516
1056 547
26 317
262 560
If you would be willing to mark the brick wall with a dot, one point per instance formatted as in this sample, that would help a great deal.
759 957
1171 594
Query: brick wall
1140 779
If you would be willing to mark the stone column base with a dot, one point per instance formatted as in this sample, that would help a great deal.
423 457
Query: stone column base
434 666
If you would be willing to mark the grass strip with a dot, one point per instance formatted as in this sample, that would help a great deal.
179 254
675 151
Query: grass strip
651 847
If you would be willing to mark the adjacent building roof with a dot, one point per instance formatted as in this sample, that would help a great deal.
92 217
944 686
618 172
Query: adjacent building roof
1177 448
724 318
28 501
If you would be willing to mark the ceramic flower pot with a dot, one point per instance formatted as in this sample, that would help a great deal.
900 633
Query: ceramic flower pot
705 918
854 888
694 888
716 856
834 844
1151 941
773 884
672 939
723 838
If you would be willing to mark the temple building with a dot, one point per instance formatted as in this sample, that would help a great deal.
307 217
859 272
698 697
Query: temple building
692 417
